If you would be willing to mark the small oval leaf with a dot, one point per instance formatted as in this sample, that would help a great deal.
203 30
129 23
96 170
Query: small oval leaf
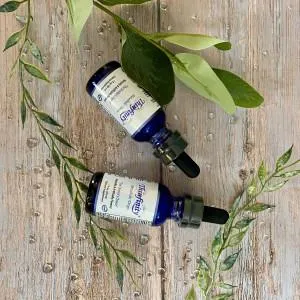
225 296
28 97
23 112
241 224
283 159
83 186
262 172
116 2
289 174
77 208
46 118
35 71
127 254
56 158
115 233
77 164
228 262
93 235
61 140
258 207
10 6
216 245
274 187
120 275
36 52
204 279
68 181
236 238
13 39
191 295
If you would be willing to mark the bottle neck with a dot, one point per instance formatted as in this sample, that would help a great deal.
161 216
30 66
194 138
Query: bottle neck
160 137
177 210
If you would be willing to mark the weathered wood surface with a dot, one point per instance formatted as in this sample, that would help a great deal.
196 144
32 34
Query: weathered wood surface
266 53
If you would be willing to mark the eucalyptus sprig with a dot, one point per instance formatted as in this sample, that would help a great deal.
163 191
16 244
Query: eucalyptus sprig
66 165
154 67
243 212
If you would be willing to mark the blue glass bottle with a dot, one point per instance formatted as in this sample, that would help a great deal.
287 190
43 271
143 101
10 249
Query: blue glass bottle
139 201
140 115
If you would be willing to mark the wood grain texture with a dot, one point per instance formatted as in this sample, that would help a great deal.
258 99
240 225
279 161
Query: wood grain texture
266 52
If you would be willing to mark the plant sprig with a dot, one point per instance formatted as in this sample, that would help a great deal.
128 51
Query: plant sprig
243 212
65 164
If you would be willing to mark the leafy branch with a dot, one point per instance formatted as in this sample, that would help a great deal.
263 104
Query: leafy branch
231 235
154 66
47 126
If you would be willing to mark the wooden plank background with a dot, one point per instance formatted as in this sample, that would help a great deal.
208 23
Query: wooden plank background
36 220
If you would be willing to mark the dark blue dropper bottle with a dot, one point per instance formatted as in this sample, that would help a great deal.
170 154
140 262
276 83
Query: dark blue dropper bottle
139 201
140 115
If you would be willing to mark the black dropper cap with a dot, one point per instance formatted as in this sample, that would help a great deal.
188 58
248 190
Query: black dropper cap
194 212
172 151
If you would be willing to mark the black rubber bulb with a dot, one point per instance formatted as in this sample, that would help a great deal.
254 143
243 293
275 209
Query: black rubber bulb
215 215
187 165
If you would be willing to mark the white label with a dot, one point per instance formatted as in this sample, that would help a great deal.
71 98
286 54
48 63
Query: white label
130 105
127 199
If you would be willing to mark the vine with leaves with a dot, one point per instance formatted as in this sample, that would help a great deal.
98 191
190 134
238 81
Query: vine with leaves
243 212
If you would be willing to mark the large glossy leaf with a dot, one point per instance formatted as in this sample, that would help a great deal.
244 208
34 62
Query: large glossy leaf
243 94
10 6
191 41
79 12
197 74
116 2
147 65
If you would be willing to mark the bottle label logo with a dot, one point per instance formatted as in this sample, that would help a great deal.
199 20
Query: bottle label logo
127 199
129 104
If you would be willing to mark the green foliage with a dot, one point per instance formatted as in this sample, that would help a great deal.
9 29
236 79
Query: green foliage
35 51
77 208
116 2
10 6
191 295
46 118
191 41
13 39
34 71
119 275
231 235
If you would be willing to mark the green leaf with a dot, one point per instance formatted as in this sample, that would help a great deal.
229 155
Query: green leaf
83 186
115 233
106 253
23 111
46 118
251 190
274 187
226 286
282 160
120 275
68 181
10 6
236 238
204 278
77 208
93 235
258 207
34 71
127 254
197 74
77 164
229 261
61 140
216 245
289 174
222 296
79 12
147 65
28 97
191 295
243 94
56 158
116 2
241 224
236 203
13 39
262 172
191 41
36 52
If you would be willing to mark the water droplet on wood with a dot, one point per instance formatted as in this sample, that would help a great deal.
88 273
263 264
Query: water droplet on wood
188 249
83 65
36 213
161 271
185 282
243 174
131 20
87 154
52 25
122 134
195 17
37 186
59 248
164 6
137 294
111 166
81 256
233 119
211 115
48 174
209 137
37 170
188 260
176 117
172 167
50 163
74 276
41 196
87 48
21 19
144 239
104 23
169 28
265 53
59 217
48 267
32 239
32 142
